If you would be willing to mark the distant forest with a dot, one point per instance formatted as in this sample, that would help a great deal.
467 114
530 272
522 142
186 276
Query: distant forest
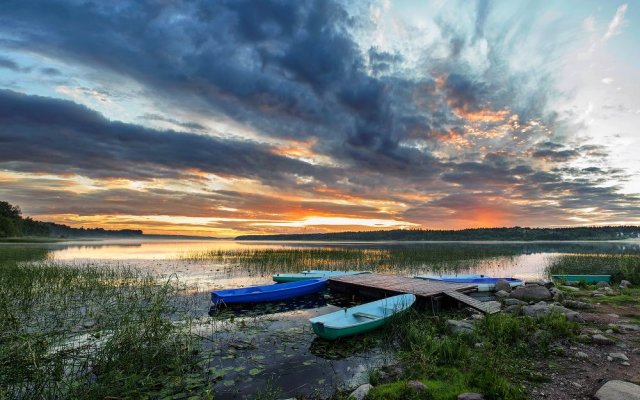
503 234
13 224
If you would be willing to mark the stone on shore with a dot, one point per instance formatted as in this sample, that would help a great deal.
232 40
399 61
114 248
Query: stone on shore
618 357
501 284
601 339
558 295
459 326
624 284
514 302
417 386
361 392
602 284
502 294
531 293
570 288
578 305
618 390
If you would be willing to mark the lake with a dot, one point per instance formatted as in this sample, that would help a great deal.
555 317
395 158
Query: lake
254 350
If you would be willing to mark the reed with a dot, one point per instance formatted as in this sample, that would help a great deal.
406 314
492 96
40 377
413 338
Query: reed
87 331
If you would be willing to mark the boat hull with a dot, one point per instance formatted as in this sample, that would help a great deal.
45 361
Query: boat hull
313 274
360 319
267 293
582 278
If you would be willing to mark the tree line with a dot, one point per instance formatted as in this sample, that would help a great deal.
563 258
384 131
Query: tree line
477 234
13 224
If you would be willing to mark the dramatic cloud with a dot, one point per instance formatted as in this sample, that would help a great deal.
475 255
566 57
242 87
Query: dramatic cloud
324 108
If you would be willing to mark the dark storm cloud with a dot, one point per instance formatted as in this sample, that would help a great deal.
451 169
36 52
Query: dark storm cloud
11 65
57 136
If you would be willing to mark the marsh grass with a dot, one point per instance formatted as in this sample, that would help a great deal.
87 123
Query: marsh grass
495 359
619 266
397 259
86 331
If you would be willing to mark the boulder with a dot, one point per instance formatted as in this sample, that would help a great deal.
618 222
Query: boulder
629 327
501 284
501 294
536 310
515 309
618 357
624 284
361 392
602 284
577 305
582 355
570 288
601 339
606 290
558 295
514 302
618 390
459 326
470 396
531 293
417 386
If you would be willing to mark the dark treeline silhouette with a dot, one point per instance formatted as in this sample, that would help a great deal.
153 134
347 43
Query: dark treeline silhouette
503 234
13 224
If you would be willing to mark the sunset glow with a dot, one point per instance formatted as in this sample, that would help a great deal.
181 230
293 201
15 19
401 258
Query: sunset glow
223 119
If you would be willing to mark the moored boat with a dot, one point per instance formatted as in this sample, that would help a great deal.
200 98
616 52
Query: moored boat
484 284
265 293
582 278
313 274
360 319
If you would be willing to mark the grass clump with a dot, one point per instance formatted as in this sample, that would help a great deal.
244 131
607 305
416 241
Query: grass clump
495 359
619 265
88 332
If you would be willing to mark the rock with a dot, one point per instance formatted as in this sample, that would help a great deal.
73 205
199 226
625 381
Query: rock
601 339
493 304
478 345
636 350
624 284
470 396
477 317
619 356
578 305
558 295
625 363
501 294
606 290
583 338
535 282
602 284
596 294
515 309
361 392
501 284
459 326
535 293
417 386
618 390
536 310
629 327
570 288
582 355
389 373
514 302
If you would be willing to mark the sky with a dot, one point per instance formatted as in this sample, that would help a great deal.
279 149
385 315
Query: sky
223 118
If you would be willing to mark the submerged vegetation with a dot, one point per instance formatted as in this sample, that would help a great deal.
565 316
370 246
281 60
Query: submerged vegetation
87 331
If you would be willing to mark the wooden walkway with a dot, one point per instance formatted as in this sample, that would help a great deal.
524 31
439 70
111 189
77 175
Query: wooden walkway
376 285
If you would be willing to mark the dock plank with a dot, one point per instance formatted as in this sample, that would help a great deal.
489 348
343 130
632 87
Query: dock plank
471 302
420 287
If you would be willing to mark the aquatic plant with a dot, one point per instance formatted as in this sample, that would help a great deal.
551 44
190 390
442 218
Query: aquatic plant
620 266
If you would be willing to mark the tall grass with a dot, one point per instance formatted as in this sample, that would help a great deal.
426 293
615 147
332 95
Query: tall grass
88 331
619 266
495 359
439 258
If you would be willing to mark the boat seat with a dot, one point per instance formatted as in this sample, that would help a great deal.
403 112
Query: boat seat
365 315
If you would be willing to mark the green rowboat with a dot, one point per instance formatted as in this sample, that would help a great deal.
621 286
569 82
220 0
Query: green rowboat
360 319
582 278
313 274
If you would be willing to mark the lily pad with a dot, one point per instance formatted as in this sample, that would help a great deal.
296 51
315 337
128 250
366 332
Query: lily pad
255 371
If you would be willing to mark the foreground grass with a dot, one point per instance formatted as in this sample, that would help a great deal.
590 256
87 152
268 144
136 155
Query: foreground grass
88 331
497 359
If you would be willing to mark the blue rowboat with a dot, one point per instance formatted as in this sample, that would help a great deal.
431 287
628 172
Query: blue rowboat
360 319
265 293
582 278
313 274
484 284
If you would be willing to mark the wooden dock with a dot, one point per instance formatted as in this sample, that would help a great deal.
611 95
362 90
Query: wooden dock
427 292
